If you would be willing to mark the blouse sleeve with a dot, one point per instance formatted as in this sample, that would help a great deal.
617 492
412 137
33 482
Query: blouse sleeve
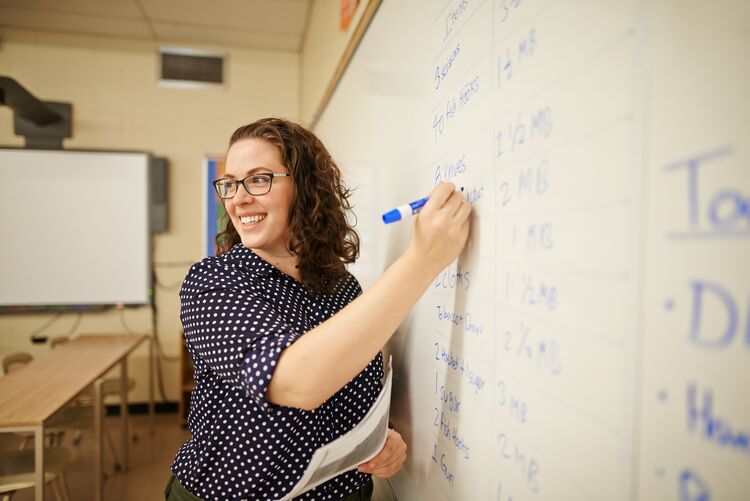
239 335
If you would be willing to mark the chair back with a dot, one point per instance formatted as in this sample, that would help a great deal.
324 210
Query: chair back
15 361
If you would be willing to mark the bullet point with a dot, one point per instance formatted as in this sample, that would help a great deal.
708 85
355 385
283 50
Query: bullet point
662 395
669 304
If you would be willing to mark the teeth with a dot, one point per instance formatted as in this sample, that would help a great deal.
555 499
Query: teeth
252 219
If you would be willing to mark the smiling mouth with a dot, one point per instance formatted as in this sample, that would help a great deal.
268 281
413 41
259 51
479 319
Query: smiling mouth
252 219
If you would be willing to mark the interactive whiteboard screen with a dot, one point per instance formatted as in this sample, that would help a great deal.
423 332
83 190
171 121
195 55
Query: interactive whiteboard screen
593 340
74 228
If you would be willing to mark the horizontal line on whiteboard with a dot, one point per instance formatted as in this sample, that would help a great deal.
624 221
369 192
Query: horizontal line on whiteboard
597 129
576 71
499 164
562 469
604 205
446 3
709 234
446 95
618 343
457 380
610 428
452 340
619 276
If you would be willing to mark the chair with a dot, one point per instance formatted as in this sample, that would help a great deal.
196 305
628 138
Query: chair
15 361
17 471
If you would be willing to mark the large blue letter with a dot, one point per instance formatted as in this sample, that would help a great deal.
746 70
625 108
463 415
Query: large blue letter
695 329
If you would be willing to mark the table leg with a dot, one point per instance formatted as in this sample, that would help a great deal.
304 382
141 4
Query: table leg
151 362
124 415
39 463
98 460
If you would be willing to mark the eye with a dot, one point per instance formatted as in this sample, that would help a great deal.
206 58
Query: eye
261 179
225 186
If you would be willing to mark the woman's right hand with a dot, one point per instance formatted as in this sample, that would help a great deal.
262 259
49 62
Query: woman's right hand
441 228
342 346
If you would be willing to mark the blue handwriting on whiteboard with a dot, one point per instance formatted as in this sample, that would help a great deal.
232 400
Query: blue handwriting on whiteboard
532 181
472 194
517 408
725 213
692 487
446 472
451 399
443 466
451 432
698 332
528 467
515 56
465 95
539 236
449 279
505 8
702 421
453 16
469 90
459 365
446 171
464 320
538 293
524 130
442 72
545 352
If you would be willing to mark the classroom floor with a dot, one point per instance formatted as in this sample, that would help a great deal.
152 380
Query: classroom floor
150 458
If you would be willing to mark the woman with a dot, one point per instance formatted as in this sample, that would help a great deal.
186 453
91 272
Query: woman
285 345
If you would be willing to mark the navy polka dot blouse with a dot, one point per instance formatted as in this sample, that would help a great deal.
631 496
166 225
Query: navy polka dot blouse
239 313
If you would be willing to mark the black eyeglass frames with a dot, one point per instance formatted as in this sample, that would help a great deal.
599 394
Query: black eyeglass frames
255 184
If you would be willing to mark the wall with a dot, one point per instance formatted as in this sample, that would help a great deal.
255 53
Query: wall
322 48
117 105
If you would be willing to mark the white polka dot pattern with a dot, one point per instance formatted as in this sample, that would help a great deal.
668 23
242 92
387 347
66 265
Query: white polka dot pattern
239 313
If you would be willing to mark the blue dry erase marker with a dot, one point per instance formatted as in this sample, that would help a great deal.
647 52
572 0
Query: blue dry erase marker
402 211
405 210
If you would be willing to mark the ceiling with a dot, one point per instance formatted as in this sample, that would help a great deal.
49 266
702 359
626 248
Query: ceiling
258 24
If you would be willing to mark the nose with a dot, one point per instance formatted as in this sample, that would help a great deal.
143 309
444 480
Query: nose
242 197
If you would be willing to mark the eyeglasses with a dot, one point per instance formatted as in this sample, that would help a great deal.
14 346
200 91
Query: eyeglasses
255 184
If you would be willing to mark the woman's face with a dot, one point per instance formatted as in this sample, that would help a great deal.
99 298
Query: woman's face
262 221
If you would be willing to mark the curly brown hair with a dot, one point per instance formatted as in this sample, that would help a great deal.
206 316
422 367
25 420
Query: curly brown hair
319 232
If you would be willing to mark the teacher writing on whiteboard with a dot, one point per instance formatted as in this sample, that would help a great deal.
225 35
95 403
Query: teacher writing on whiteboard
285 345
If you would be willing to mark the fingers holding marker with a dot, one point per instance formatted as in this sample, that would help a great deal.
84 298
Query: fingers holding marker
463 212
444 195
439 196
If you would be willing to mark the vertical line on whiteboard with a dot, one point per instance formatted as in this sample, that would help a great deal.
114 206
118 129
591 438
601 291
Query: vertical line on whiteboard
493 493
640 135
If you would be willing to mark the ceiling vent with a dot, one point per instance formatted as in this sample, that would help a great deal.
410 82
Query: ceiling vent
190 68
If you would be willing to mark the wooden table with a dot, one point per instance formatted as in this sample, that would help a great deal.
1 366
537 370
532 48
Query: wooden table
30 396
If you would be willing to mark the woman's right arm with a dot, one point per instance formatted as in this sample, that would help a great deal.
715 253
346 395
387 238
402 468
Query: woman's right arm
327 357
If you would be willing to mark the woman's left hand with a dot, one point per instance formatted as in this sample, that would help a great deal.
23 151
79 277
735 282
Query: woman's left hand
389 460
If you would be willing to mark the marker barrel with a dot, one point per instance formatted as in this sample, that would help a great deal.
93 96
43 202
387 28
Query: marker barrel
403 211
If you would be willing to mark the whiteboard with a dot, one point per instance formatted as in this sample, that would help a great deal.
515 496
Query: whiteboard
593 340
75 228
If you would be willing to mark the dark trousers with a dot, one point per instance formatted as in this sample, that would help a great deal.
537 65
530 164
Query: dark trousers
176 492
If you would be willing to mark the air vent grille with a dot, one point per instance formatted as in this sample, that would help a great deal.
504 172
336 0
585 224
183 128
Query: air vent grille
185 66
